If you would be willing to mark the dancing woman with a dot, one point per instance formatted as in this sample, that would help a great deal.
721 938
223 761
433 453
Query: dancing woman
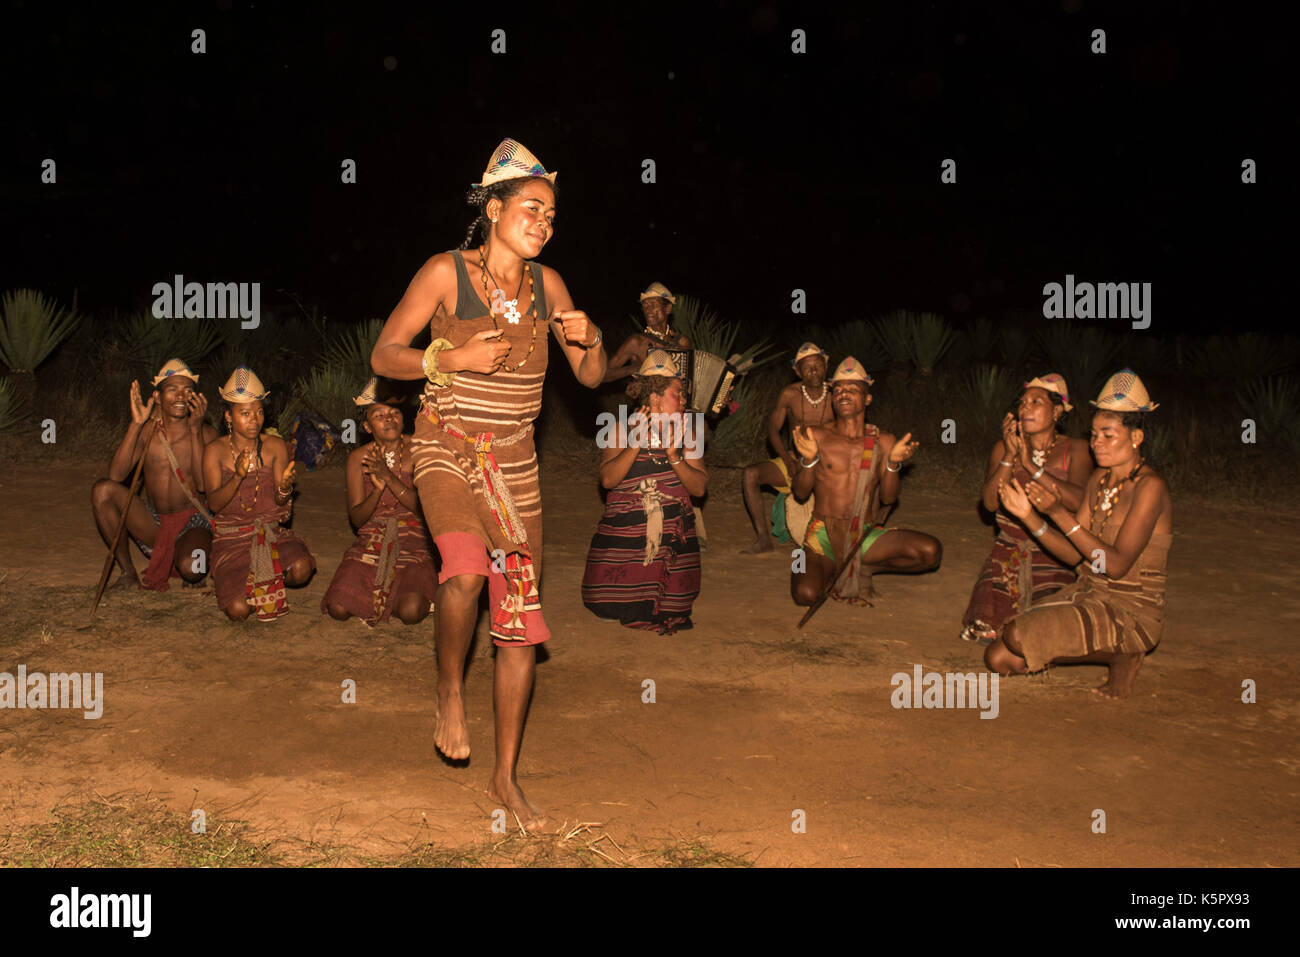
1120 537
475 462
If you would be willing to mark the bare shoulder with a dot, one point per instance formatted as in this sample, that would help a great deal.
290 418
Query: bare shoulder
216 448
274 444
209 434
1152 482
884 437
357 455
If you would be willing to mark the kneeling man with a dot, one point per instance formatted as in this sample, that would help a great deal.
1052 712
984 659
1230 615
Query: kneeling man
852 468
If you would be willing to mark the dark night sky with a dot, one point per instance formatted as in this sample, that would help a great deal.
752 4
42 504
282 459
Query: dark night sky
775 170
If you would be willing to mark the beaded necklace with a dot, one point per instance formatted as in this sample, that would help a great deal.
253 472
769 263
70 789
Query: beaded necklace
532 304
1107 497
668 336
804 389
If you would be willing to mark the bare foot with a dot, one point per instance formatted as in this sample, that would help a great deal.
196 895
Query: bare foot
124 582
509 794
450 733
757 547
1123 669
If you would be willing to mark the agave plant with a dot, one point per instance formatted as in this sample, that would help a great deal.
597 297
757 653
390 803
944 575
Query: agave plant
143 342
1083 354
702 324
328 391
1242 357
31 327
1016 346
1274 404
931 337
987 392
894 333
10 413
857 338
350 349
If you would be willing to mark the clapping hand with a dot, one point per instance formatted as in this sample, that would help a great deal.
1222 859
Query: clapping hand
805 443
140 411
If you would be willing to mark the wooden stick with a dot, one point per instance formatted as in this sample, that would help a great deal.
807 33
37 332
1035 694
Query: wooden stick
844 564
121 525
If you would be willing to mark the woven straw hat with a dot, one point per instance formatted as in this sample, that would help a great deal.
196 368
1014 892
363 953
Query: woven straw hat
658 362
1124 392
660 290
850 370
243 386
1052 382
809 349
175 367
512 160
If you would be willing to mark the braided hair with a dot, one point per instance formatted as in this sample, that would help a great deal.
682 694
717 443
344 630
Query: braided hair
478 197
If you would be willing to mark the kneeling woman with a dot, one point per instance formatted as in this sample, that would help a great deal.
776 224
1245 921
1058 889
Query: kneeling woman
253 555
643 568
388 571
1120 537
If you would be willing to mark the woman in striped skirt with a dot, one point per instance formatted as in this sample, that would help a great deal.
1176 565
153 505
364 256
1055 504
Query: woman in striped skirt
643 568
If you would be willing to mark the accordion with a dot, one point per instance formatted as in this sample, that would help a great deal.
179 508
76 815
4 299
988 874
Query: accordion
709 379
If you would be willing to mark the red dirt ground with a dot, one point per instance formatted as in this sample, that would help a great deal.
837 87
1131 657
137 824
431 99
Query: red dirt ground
753 719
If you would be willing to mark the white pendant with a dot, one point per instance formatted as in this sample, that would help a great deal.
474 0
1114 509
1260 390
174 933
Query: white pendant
1039 457
390 459
512 311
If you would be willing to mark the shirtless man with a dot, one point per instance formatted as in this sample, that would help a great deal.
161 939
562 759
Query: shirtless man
801 403
172 420
656 305
853 467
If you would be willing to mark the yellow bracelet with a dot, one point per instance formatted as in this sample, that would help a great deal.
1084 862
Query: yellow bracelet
431 363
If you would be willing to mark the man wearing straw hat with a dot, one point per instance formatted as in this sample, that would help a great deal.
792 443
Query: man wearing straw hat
803 403
656 306
1119 537
853 468
250 477
170 525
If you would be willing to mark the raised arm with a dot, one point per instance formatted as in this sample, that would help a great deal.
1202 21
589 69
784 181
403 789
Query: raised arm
136 439
623 364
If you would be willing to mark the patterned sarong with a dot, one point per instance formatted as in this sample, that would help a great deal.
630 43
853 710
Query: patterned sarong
251 549
390 557
642 576
1018 574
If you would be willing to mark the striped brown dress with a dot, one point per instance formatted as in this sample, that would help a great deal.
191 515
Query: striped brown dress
1098 613
503 405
